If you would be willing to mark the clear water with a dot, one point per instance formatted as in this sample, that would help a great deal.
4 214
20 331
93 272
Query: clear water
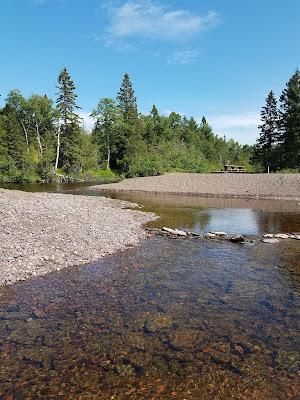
170 319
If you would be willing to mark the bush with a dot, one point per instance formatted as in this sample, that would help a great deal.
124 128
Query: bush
99 175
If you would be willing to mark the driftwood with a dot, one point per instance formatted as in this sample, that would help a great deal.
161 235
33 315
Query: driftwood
64 178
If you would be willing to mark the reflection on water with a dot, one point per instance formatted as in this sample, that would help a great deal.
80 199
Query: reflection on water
199 214
171 319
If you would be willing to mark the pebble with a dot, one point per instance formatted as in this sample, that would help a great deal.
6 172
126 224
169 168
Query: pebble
58 227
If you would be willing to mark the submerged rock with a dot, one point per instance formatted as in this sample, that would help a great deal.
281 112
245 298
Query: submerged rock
185 338
157 322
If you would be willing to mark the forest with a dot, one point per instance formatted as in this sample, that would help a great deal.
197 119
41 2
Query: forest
42 140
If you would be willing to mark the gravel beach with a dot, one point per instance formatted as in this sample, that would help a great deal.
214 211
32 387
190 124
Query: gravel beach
42 232
265 186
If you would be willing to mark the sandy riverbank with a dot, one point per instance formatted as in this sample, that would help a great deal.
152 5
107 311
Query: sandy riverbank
265 186
42 232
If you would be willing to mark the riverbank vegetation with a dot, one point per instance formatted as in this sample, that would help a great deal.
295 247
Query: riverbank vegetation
43 140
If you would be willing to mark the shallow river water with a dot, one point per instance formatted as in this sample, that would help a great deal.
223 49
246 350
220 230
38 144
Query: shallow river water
170 319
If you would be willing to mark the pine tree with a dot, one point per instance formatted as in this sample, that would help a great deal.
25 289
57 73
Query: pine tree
127 101
290 123
69 131
264 148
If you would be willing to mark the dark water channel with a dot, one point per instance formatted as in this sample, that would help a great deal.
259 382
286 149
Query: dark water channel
170 319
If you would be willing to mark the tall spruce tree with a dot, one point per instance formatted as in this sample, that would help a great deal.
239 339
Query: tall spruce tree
290 123
127 101
68 131
130 135
264 148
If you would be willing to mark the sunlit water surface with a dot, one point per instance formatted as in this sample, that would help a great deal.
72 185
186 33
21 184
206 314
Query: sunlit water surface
170 319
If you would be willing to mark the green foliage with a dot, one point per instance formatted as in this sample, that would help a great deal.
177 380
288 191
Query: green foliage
104 176
38 139
289 124
278 145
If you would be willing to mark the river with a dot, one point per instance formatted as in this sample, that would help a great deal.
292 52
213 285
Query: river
170 319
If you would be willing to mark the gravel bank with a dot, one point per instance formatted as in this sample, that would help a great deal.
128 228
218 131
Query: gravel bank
42 232
267 186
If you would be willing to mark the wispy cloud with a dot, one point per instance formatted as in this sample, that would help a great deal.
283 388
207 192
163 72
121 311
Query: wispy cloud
133 25
183 57
245 120
241 127
153 20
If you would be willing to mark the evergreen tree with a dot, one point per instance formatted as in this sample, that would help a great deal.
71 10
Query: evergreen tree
264 147
127 101
69 131
130 129
154 113
290 123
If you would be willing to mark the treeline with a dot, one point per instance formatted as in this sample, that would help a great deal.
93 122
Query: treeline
278 145
40 139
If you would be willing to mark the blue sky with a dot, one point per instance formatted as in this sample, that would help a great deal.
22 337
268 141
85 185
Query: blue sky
199 57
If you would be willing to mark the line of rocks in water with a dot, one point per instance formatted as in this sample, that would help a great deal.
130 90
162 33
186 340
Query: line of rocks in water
223 236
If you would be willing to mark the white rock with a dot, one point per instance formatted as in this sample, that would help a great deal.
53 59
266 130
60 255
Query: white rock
219 233
174 231
282 236
180 233
211 235
268 235
271 241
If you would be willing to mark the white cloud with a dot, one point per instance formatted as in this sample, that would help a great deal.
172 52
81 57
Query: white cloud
226 121
183 57
149 19
142 21
88 121
241 127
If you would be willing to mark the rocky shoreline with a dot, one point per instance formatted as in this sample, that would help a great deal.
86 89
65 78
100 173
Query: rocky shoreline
43 232
248 186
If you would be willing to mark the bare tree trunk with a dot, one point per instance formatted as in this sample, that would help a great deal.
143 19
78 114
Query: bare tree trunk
38 137
57 148
108 153
26 135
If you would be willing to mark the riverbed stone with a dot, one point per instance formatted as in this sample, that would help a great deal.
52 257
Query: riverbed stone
181 339
156 322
